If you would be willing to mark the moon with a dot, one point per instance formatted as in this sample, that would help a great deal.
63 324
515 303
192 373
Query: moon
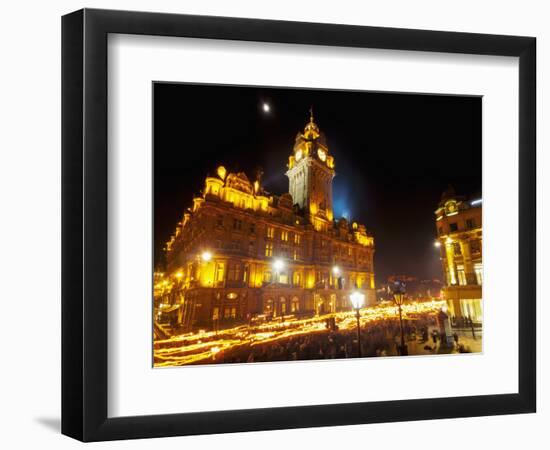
266 108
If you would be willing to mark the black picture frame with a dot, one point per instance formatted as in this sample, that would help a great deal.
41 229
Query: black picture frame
84 224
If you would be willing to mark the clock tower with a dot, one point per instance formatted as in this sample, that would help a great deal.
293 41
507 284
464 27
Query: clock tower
310 173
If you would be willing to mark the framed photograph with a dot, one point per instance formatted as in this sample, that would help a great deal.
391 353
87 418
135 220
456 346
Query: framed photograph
273 225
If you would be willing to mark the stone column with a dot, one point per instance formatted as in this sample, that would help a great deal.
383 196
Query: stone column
450 263
467 259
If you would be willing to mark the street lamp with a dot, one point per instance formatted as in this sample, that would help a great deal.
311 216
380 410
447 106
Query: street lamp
437 244
278 266
206 256
399 298
336 277
201 263
357 300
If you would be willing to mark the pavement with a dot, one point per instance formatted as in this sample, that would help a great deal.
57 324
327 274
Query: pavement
468 343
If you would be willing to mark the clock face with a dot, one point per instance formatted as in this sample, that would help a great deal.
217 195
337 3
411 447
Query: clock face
451 207
298 155
322 154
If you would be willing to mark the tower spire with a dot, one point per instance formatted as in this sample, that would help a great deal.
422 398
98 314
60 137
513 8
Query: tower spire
311 130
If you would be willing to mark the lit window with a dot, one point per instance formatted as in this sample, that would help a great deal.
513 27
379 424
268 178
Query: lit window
220 271
270 232
320 277
267 276
461 275
269 249
456 247
478 268
295 255
475 246
296 238
234 272
284 235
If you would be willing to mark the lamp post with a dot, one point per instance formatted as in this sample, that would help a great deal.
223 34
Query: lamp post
336 275
202 262
278 266
399 298
357 300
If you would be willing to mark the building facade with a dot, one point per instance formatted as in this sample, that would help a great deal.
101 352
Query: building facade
459 231
241 254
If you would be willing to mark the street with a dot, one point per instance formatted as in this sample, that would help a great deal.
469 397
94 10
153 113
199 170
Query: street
329 336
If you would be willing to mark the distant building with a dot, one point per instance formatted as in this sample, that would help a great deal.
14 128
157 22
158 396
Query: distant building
416 288
459 236
240 252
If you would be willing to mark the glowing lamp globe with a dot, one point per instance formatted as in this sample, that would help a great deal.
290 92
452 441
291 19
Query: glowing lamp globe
222 172
278 265
357 300
206 256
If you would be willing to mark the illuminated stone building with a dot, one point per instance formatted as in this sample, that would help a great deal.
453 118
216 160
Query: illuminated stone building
459 226
241 254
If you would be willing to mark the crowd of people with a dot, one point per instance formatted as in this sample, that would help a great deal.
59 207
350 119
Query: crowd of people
381 338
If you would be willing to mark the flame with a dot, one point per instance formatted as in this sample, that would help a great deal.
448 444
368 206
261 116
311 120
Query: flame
205 346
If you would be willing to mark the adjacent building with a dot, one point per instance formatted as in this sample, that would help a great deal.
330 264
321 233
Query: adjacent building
242 254
459 237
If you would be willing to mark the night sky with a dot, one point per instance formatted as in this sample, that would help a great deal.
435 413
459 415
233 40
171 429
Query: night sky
394 155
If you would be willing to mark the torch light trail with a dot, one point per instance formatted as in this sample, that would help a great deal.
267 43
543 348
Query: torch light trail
203 346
